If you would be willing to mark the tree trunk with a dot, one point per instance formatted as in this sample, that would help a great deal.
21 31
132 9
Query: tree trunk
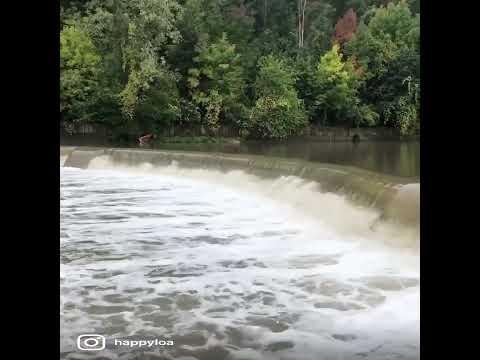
265 9
301 6
303 20
299 12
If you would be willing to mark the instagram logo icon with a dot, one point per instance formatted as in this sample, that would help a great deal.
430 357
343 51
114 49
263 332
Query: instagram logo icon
91 342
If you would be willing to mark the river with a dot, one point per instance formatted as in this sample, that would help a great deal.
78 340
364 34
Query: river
398 158
230 266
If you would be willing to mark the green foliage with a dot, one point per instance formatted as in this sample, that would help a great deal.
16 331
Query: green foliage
160 104
202 23
320 30
364 6
305 68
151 25
388 50
336 88
79 73
189 113
77 51
405 111
278 112
395 23
129 37
217 83
275 77
141 65
277 117
414 6
139 80
380 40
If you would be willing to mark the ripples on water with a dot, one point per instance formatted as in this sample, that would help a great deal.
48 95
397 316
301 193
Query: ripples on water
223 274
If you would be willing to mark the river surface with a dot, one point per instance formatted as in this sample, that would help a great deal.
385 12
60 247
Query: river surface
227 273
398 158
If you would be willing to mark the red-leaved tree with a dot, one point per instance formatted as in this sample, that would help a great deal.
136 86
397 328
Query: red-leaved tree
345 27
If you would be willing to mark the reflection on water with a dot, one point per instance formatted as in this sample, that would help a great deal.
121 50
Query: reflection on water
389 157
393 158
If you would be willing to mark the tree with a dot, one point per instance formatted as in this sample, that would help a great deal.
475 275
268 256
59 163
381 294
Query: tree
336 92
278 32
363 6
79 71
345 27
131 38
320 20
388 50
158 62
203 22
217 83
301 6
151 26
151 94
414 6
278 112
403 111
160 106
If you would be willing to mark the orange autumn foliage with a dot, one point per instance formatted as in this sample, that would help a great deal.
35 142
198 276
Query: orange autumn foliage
345 27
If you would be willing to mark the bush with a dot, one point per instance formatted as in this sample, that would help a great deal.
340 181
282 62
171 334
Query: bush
277 117
189 113
278 112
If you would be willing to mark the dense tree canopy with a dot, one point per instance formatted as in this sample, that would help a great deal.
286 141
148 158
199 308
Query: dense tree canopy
388 48
268 67
217 82
79 72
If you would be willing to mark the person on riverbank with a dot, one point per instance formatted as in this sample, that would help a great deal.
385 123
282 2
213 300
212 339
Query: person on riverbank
144 140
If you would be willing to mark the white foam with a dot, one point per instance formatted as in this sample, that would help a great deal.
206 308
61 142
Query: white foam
301 195
308 248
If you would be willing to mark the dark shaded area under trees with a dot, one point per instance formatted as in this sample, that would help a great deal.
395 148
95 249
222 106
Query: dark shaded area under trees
267 67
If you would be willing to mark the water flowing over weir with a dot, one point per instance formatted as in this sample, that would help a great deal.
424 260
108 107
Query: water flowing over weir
396 198
237 257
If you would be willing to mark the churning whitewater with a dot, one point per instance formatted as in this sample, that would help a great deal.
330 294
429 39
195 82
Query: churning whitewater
268 269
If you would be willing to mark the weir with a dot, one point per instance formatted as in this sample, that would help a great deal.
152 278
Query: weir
396 198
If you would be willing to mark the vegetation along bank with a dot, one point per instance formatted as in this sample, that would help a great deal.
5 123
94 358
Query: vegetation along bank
268 68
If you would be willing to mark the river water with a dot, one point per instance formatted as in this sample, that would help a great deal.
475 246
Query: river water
398 158
230 272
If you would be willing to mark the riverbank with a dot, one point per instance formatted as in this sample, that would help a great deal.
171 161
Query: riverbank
199 133
397 198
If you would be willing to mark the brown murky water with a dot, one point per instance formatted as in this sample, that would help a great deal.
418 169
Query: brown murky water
399 158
